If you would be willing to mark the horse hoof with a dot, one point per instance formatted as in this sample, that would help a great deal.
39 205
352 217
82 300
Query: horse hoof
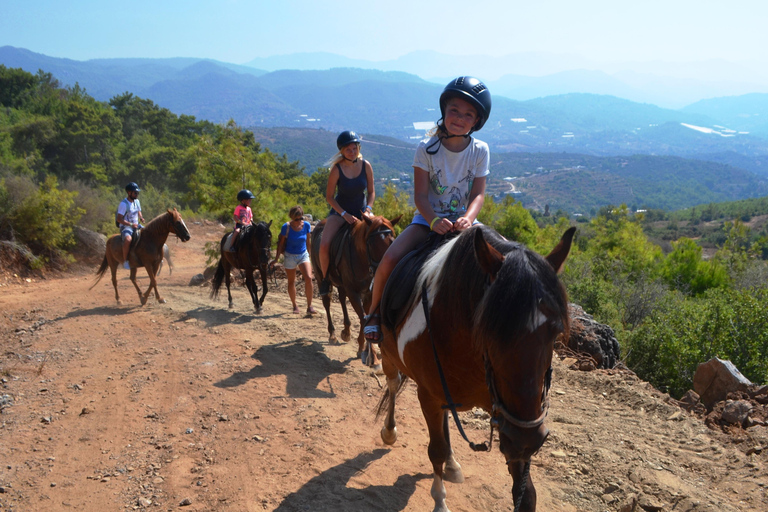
345 335
388 436
453 474
162 301
231 306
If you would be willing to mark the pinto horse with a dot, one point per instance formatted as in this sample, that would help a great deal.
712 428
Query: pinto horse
146 251
253 252
356 252
479 331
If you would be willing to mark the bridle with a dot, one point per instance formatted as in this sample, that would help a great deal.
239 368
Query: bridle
373 264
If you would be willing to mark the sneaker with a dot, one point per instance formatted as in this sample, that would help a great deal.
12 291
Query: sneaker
127 265
325 287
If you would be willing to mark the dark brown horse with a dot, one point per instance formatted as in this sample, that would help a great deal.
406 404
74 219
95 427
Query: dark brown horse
354 258
483 337
253 252
146 251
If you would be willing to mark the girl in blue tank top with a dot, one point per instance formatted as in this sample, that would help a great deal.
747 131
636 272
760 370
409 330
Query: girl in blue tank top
350 193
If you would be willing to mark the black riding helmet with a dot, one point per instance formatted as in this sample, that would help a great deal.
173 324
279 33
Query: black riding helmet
469 89
132 187
245 194
347 137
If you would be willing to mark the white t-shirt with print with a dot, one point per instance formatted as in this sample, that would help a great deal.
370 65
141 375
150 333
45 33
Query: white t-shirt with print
451 174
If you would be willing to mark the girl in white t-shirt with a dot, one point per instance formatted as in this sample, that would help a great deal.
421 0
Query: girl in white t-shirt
449 172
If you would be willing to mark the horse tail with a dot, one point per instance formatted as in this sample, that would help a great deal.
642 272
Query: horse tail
217 279
387 398
100 272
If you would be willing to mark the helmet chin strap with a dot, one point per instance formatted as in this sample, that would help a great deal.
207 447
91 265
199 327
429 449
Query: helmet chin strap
348 160
441 135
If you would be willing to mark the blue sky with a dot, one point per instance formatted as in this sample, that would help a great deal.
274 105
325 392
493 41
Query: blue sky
236 31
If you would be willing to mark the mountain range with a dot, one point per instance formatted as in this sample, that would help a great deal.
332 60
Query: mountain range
589 117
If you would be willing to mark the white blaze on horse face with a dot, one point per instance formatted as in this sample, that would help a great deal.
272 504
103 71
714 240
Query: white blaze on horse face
416 322
537 321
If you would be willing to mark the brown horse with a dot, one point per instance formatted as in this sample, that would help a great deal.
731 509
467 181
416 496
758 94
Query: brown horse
253 252
146 251
357 252
479 331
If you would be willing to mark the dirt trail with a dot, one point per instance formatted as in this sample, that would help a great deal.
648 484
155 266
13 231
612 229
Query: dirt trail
192 406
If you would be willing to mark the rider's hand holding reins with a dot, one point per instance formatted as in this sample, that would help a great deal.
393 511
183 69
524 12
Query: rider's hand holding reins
461 224
351 219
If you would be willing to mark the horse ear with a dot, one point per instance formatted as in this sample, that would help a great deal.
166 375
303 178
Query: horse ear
557 257
269 224
396 220
488 257
367 220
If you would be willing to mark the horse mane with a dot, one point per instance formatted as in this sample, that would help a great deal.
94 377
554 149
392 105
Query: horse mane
257 231
507 308
361 230
154 225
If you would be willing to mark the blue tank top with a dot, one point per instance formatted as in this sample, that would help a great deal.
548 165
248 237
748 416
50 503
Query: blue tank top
351 192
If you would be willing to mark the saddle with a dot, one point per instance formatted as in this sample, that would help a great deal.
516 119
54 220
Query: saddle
399 288
337 244
135 237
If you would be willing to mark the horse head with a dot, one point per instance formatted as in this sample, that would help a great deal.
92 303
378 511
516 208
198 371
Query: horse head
374 237
260 238
522 312
177 226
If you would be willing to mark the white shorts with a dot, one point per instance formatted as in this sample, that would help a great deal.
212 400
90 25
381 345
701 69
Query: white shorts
292 261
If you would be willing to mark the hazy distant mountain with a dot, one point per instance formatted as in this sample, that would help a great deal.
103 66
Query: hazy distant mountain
745 113
667 84
398 104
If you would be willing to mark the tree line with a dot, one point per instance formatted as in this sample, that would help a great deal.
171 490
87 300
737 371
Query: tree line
65 158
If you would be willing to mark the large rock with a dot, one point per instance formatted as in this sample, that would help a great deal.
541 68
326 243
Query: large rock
90 245
716 378
593 338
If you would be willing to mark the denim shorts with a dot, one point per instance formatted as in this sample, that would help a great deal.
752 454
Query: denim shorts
126 231
292 261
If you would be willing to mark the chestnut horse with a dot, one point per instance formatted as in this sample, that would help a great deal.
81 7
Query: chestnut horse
355 255
146 251
253 252
478 331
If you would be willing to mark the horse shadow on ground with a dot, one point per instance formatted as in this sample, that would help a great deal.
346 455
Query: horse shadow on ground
329 490
216 317
101 311
302 361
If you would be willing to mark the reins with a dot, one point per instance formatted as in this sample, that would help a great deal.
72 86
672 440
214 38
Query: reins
482 447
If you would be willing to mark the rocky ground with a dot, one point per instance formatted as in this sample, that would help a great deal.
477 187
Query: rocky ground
192 406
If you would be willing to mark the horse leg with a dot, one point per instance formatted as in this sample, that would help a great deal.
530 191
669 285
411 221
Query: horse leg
389 430
439 449
250 283
227 271
452 471
332 339
142 298
263 272
113 269
346 333
363 347
528 502
152 272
